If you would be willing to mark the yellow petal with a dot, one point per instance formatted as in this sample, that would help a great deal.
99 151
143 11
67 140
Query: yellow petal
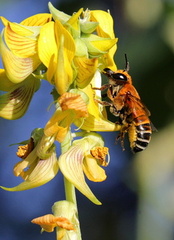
37 20
89 141
93 107
14 104
47 46
30 160
86 69
71 166
5 83
64 74
92 170
44 171
4 21
107 61
97 46
104 45
73 24
59 130
93 124
51 67
17 42
107 31
93 51
17 28
69 45
20 30
53 126
17 68
105 27
66 50
73 21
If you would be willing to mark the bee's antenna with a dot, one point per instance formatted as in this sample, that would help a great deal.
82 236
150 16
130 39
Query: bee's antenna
127 67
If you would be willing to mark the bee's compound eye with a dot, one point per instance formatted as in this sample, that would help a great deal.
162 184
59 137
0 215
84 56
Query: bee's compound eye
119 76
108 71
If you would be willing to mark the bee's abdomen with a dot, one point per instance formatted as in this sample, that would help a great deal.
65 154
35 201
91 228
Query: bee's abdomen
140 134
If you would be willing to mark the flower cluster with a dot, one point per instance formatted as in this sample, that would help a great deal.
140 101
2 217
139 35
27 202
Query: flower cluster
69 52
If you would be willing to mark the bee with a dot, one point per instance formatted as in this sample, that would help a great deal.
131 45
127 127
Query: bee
125 103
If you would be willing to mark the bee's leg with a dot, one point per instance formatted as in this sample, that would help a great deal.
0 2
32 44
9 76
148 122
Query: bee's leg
105 86
104 103
120 138
121 135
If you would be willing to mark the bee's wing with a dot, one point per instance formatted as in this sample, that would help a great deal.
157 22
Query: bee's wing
134 101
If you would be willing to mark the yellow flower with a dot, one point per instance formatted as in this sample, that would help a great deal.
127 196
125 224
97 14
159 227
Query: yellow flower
39 162
72 50
78 160
72 106
18 45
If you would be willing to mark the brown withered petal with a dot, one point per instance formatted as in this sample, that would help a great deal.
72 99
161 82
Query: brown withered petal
72 101
100 153
48 222
25 150
64 223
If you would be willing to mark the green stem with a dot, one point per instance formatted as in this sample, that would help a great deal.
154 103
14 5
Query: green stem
70 191
69 187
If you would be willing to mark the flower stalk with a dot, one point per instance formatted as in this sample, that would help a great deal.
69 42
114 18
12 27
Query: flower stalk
70 194
69 187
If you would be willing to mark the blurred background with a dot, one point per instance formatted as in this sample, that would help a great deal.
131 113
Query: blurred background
138 195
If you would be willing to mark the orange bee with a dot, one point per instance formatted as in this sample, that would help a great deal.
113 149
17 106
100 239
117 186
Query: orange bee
128 107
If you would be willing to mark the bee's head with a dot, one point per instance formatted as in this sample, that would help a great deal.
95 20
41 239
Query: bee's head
120 76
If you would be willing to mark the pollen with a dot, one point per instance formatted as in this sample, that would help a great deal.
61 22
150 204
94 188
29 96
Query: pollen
100 153
25 150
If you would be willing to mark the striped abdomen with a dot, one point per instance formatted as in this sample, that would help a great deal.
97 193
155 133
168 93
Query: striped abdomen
139 133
